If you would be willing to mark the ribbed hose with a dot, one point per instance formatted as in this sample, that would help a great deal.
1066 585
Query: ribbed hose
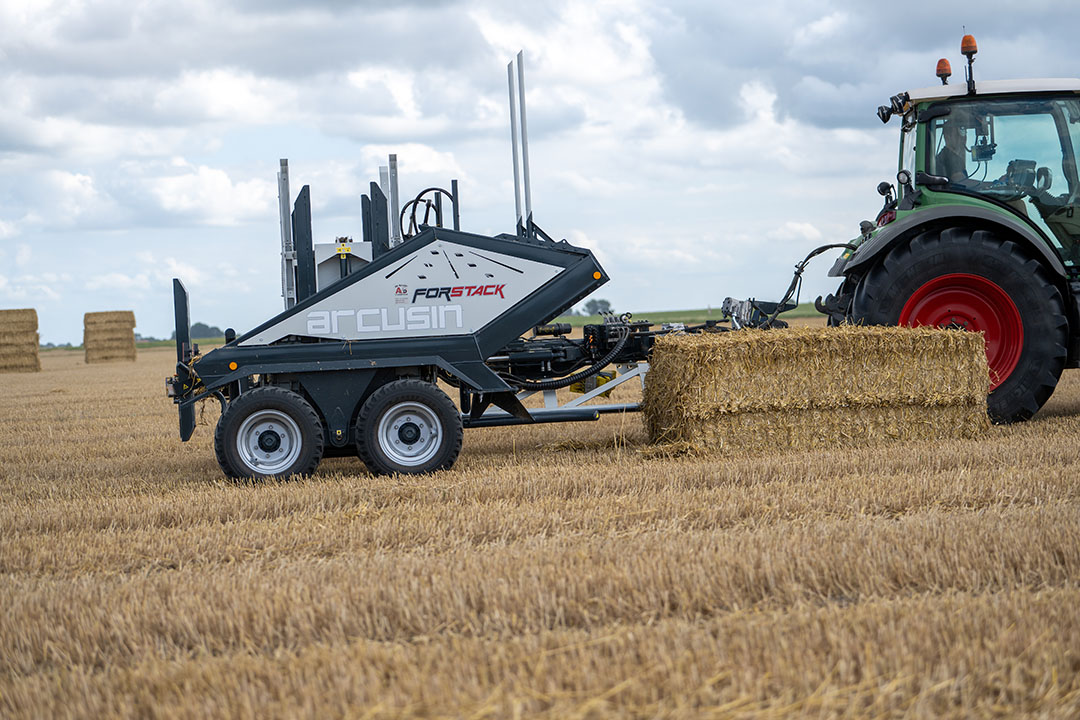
581 374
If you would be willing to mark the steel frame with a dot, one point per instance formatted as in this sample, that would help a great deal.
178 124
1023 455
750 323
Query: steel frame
553 409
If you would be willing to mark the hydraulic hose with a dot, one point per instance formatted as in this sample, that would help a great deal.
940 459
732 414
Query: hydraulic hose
581 374
796 281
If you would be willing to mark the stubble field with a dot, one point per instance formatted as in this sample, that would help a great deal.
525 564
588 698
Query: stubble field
560 570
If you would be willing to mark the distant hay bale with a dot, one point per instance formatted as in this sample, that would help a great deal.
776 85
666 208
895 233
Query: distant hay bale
109 336
22 315
815 387
22 337
19 342
115 318
101 336
102 356
19 347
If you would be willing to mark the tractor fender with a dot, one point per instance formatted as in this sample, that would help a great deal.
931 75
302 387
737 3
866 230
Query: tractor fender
900 230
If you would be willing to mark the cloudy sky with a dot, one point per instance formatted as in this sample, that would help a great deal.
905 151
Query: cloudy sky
700 148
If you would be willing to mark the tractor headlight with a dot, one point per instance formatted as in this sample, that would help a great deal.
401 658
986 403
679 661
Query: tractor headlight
898 102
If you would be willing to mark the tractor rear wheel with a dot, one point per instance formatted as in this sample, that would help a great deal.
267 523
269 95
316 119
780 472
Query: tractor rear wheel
409 427
266 432
976 280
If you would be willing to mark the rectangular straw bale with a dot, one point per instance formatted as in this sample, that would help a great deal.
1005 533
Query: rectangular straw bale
18 338
22 363
112 345
19 347
18 321
109 336
19 315
815 387
117 318
117 348
99 335
19 341
110 355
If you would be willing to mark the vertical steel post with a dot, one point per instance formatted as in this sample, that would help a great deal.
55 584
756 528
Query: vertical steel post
288 251
384 180
395 204
457 210
306 285
384 185
514 143
380 226
524 137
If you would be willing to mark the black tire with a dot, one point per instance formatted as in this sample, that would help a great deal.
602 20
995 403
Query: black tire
409 427
268 432
965 260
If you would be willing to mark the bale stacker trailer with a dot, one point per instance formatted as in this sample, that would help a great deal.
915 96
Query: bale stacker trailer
353 366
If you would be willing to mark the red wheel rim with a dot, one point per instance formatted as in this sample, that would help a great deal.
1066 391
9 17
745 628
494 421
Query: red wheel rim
971 302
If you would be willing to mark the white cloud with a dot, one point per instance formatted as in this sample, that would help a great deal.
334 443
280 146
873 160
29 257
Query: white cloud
820 30
593 186
226 95
413 158
178 268
76 197
210 196
399 84
7 230
118 282
793 230
29 289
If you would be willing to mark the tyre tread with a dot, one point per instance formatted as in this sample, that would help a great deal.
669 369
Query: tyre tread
272 392
406 387
877 290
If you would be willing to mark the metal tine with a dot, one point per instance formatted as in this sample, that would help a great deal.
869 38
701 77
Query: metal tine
514 143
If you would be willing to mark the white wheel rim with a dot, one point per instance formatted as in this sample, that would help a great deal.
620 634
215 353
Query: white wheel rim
410 434
269 442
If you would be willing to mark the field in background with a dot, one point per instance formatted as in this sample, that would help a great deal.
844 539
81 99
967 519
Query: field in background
559 570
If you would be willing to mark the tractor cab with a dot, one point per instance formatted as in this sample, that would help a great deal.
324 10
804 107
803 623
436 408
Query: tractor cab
982 231
1017 151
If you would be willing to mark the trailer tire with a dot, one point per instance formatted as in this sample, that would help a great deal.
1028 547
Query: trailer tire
268 432
408 427
977 280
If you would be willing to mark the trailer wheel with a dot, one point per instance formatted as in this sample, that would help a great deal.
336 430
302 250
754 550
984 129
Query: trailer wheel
409 427
266 432
977 280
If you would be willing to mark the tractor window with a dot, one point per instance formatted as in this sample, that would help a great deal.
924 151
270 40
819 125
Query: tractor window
907 151
1018 153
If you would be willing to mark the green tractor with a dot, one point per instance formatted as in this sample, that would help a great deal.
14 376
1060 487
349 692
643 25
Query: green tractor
981 232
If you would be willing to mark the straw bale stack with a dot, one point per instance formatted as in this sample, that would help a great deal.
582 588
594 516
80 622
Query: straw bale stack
19 341
109 336
815 387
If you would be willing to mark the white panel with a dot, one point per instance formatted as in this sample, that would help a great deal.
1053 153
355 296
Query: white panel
440 289
987 87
